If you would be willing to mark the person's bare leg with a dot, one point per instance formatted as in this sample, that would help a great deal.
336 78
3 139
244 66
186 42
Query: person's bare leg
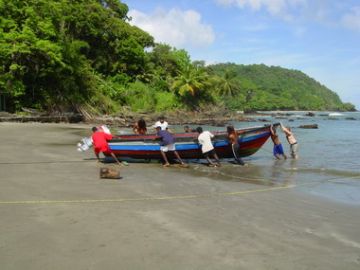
114 157
178 157
97 156
217 159
165 158
210 162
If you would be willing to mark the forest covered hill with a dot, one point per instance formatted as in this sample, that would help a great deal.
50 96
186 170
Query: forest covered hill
270 88
84 56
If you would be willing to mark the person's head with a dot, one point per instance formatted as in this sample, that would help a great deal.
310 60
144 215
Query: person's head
199 129
94 129
230 129
187 129
158 128
273 129
161 119
141 124
288 128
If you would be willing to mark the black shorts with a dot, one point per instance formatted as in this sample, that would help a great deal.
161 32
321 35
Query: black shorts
211 152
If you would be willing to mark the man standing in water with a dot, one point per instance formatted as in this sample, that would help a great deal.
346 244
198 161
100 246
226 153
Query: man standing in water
292 141
278 150
100 138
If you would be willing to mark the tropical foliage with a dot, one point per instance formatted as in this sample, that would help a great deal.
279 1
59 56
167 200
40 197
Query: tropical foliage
83 55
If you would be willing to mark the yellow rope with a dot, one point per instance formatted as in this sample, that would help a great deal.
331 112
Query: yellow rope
168 198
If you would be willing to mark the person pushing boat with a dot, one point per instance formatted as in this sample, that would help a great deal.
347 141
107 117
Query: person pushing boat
291 140
161 123
140 127
278 150
167 144
233 139
100 138
207 147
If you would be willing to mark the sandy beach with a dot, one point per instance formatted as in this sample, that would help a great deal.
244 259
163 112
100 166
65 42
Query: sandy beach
57 214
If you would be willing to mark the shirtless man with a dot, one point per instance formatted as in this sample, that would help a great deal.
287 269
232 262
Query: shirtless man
278 150
292 141
233 139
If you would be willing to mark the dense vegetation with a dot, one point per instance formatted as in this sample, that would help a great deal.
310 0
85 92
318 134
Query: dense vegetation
84 56
269 88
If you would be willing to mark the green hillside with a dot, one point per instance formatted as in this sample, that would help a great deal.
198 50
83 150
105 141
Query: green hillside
84 56
268 88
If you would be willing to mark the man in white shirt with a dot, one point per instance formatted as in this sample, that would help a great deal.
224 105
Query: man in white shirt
161 123
207 147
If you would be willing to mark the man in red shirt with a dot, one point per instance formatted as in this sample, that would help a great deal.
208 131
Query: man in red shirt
100 139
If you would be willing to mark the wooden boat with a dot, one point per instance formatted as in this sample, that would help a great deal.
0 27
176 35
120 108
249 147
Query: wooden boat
146 146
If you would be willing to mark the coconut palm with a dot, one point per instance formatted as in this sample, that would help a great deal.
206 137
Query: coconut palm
190 81
228 85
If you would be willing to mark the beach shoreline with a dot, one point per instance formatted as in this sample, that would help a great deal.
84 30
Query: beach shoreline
57 213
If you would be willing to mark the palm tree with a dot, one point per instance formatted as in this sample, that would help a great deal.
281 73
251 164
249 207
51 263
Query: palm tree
228 85
190 81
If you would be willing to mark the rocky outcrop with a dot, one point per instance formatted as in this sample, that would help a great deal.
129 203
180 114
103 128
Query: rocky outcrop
312 126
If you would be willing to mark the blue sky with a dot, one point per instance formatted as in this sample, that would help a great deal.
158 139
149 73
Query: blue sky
319 37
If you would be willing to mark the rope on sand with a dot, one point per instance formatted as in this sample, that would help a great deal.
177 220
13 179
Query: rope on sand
169 198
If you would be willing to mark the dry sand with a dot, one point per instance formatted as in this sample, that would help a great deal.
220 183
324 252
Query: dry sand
57 214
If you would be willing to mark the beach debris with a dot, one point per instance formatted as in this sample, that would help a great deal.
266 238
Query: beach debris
84 144
109 173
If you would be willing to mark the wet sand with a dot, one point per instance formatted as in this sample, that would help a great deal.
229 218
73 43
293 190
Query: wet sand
57 214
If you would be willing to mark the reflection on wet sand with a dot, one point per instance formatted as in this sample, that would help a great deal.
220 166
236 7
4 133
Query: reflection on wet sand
274 175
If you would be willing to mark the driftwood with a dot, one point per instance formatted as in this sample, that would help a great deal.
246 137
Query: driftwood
31 111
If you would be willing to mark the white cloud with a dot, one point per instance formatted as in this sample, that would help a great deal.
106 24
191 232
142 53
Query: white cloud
280 8
175 27
352 20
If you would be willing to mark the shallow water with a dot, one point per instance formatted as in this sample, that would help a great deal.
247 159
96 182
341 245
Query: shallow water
328 164
329 157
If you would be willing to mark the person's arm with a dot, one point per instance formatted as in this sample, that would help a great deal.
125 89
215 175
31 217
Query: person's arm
271 129
108 137
286 131
157 137
135 129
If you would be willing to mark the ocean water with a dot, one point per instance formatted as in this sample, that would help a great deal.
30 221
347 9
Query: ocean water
329 157
328 164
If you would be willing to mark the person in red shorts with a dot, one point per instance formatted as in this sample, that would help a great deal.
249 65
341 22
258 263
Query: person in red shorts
100 139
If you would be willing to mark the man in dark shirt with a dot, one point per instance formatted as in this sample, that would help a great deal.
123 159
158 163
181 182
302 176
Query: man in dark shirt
167 144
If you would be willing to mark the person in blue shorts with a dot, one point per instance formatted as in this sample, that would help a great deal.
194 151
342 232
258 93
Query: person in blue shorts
278 150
